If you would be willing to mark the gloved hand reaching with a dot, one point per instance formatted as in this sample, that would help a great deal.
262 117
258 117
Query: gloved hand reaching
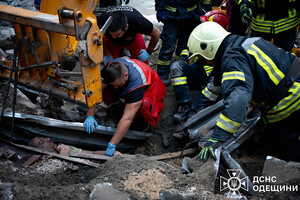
90 123
246 14
209 149
144 55
111 148
161 16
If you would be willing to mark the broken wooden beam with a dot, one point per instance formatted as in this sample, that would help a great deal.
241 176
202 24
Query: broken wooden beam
89 156
76 160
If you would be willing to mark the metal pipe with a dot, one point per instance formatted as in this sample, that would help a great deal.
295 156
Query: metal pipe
106 25
39 65
8 84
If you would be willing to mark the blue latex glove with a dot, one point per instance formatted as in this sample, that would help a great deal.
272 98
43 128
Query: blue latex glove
209 149
89 124
107 59
110 149
144 55
161 16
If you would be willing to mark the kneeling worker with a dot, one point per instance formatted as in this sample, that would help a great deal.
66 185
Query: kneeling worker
142 89
252 70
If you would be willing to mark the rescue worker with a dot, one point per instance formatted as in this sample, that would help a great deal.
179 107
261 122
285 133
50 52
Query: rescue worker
197 76
103 5
251 69
234 12
272 19
126 31
142 90
180 17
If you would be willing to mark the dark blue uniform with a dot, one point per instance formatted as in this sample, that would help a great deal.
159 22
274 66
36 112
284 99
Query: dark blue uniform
275 19
248 69
182 17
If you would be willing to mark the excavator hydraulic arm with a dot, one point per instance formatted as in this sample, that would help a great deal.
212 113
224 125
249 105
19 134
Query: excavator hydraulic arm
46 42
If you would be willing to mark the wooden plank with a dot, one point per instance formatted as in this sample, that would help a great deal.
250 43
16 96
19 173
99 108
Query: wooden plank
9 153
175 154
77 160
89 156
2 151
31 160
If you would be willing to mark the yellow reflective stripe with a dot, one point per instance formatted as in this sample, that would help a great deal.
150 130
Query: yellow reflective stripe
260 25
292 11
227 124
233 75
239 1
211 18
288 25
286 106
185 52
192 8
179 81
207 2
266 63
261 3
176 57
208 94
208 69
161 62
170 8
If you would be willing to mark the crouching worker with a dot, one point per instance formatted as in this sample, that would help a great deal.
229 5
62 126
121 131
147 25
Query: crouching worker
140 87
252 70
196 76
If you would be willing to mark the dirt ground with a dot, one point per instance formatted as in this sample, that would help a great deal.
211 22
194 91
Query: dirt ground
134 174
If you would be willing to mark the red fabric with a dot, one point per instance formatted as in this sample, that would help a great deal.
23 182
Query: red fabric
135 47
153 100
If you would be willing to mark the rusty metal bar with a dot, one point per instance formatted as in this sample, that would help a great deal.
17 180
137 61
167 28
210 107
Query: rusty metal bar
38 65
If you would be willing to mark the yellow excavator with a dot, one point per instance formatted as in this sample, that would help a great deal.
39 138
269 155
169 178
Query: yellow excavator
45 44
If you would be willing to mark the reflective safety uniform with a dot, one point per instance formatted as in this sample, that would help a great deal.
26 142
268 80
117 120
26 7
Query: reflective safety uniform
182 17
140 74
275 19
193 76
249 69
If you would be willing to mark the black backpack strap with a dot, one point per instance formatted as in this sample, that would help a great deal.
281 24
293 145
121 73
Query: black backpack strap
281 90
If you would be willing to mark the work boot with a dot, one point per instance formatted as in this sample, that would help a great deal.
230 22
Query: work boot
182 113
165 79
163 73
192 113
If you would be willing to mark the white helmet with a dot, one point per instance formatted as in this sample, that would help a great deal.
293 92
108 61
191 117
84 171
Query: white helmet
205 39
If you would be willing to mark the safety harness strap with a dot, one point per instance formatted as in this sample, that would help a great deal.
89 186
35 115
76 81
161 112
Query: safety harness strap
281 90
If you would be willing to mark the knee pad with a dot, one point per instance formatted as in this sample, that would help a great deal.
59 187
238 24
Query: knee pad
176 69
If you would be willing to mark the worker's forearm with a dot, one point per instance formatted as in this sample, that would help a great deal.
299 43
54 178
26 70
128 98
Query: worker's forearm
121 130
152 44
91 111
154 39
106 51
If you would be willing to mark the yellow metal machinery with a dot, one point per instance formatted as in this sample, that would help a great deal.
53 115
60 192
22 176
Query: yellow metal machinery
46 40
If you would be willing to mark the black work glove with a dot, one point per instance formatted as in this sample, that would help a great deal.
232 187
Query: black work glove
246 14
209 149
